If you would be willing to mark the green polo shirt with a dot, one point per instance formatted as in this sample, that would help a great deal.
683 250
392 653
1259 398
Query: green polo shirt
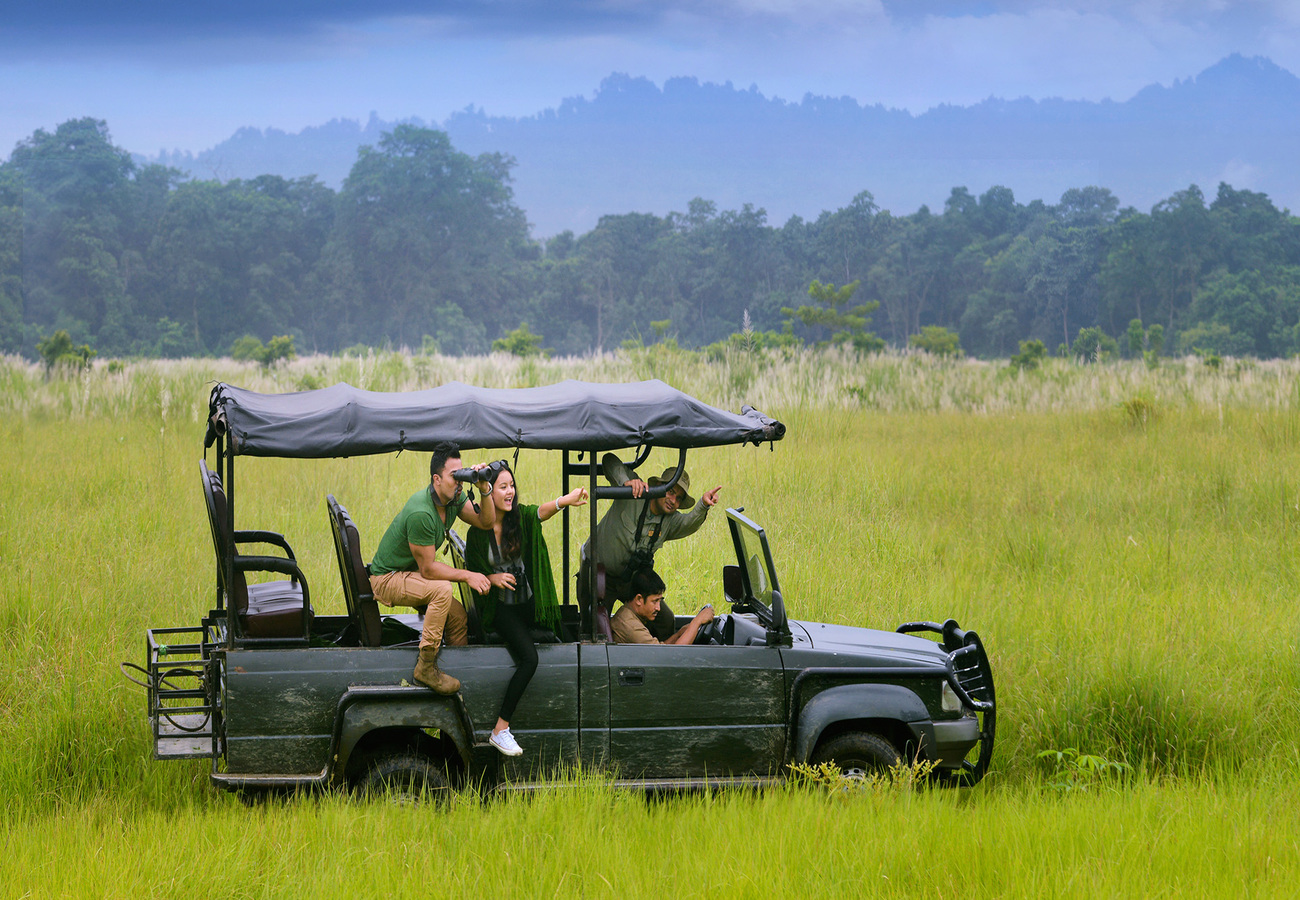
418 523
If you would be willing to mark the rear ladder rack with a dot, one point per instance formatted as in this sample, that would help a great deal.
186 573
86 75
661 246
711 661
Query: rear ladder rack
183 713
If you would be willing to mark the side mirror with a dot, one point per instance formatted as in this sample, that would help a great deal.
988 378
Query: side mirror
733 588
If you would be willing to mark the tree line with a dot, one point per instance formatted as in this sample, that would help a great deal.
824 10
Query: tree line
424 246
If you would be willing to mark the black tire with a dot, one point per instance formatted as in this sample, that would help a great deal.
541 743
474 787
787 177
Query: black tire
859 754
405 776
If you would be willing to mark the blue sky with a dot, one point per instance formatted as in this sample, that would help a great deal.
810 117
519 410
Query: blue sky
185 75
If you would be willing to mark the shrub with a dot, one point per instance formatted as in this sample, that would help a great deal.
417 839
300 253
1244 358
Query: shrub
1093 345
1156 339
1139 410
1137 338
249 348
58 351
246 349
520 342
1030 356
937 340
1075 771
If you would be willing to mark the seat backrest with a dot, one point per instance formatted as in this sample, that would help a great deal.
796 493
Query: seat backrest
603 628
362 608
214 496
456 544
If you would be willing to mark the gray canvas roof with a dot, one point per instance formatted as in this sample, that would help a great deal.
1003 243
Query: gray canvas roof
572 415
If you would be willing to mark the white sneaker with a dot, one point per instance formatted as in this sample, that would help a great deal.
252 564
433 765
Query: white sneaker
504 741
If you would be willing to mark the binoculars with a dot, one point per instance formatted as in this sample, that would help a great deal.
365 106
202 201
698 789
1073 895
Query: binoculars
472 476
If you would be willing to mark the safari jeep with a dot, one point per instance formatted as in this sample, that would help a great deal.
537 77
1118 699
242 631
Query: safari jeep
279 696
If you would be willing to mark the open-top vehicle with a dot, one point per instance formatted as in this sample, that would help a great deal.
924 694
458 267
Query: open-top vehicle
277 695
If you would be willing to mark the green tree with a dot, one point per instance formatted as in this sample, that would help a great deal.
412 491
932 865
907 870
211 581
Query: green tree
832 311
279 348
520 342
1156 339
1031 355
57 351
77 198
1137 336
1093 345
937 340
425 226
247 349
250 349
11 262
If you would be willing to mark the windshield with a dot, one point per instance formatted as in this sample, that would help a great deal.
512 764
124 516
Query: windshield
755 558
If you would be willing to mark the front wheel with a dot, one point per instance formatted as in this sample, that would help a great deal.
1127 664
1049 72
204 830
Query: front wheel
859 754
404 776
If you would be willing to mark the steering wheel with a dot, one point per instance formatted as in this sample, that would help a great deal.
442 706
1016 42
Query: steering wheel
711 632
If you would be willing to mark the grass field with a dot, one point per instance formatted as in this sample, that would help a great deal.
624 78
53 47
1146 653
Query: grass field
1124 539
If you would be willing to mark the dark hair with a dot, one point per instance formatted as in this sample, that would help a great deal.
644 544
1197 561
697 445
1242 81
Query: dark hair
646 582
442 451
512 531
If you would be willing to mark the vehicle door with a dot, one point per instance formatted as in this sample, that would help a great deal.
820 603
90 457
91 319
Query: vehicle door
695 711
546 720
707 710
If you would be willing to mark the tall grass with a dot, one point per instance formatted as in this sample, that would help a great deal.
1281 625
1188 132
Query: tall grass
1134 577
1152 840
807 378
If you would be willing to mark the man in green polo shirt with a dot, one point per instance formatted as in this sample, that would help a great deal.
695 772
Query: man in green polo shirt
406 570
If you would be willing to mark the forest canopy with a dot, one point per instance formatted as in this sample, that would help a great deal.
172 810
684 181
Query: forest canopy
424 246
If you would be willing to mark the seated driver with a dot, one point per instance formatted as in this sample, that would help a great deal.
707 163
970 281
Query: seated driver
630 623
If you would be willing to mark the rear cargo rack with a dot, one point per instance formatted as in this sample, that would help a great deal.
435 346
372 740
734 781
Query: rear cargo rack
184 704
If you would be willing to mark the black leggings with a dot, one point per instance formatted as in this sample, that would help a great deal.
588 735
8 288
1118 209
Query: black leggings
515 625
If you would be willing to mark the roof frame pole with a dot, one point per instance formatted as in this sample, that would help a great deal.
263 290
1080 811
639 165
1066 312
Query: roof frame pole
641 457
623 492
594 553
222 572
564 489
229 484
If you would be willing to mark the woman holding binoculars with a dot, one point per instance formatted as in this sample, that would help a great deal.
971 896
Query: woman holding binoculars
512 554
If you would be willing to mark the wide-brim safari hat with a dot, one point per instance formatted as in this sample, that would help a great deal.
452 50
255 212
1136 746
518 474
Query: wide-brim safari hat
688 502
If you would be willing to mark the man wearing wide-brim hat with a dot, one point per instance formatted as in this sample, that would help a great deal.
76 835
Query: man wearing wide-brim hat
632 531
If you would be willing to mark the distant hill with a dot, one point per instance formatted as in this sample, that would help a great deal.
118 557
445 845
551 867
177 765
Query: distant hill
637 147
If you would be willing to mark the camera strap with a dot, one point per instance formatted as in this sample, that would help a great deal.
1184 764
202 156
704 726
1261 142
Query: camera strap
640 525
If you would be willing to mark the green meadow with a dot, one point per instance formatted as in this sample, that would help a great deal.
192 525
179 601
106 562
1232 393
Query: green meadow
1124 539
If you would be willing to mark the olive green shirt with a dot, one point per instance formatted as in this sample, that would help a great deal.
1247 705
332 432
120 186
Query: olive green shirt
418 523
616 534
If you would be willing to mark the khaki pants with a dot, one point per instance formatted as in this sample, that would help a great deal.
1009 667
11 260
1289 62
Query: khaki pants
443 613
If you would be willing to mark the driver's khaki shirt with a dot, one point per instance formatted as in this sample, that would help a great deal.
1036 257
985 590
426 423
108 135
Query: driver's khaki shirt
629 629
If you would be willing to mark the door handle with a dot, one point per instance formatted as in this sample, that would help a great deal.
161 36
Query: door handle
631 677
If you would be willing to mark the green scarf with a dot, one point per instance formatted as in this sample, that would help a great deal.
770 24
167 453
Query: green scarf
537 565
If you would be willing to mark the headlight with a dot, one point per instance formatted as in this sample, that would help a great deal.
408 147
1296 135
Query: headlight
949 699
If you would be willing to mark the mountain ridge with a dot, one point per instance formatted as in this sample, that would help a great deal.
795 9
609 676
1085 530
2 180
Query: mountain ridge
634 146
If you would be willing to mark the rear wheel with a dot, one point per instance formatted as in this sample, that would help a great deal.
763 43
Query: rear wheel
405 776
859 754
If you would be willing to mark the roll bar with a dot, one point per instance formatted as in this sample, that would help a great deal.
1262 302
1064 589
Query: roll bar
591 469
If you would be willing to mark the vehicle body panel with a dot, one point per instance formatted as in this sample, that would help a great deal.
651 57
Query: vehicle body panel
696 710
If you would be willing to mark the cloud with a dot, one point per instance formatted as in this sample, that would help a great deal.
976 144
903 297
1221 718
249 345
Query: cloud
186 75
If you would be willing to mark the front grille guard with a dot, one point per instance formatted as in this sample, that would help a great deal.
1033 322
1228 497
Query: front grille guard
972 680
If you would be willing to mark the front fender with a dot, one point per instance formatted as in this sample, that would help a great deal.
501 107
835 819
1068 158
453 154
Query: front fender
849 702
365 708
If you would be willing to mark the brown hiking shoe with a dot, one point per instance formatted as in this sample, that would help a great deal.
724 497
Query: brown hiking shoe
428 674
